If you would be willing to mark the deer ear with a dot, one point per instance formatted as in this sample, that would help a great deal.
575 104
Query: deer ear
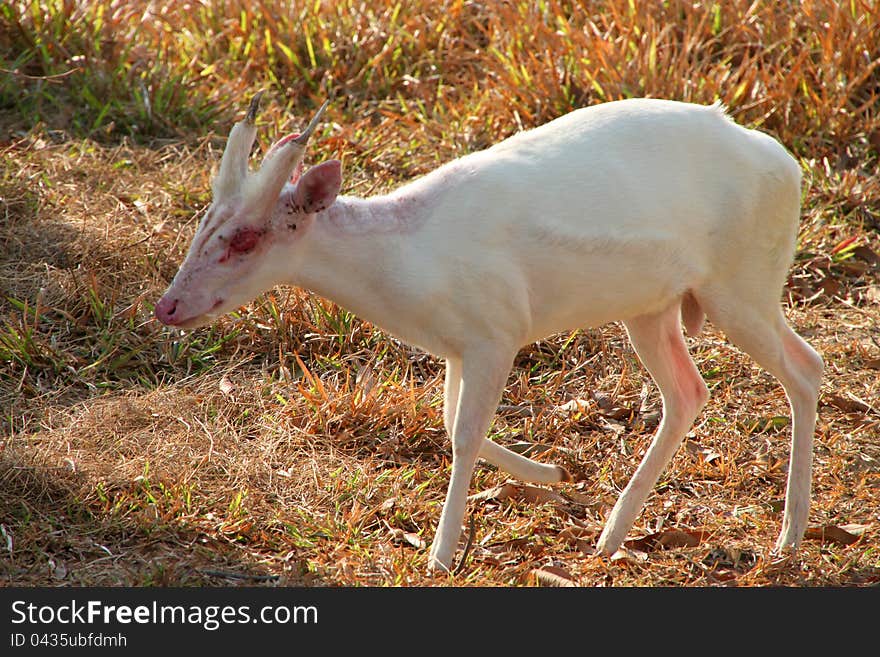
317 188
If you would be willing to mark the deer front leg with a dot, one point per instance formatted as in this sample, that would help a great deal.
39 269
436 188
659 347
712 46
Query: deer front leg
484 372
518 466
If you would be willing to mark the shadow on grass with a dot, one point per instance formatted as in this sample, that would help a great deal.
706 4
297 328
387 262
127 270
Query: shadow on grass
51 537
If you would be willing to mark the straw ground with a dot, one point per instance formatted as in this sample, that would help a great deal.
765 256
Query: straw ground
292 443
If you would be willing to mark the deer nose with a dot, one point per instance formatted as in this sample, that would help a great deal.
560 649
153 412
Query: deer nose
165 309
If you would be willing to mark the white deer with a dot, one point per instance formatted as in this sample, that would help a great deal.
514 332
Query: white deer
650 212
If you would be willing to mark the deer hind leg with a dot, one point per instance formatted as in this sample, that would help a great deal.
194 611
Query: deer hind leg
518 466
761 331
659 343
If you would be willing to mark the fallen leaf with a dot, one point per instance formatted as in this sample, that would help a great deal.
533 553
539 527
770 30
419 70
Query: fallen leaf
553 576
726 575
611 410
575 534
498 493
536 495
603 400
582 538
652 419
730 558
629 556
709 455
507 546
615 428
845 404
776 506
692 447
830 286
670 538
414 539
58 569
586 547
853 267
527 448
606 406
619 413
776 565
365 381
867 254
751 510
226 386
515 409
833 534
400 536
518 492
575 406
580 498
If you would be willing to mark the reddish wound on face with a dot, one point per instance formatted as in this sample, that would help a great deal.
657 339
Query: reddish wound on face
242 241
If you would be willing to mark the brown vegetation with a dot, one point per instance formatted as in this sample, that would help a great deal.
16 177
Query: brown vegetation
292 443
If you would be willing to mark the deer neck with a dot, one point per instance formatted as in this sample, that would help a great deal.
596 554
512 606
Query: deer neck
358 252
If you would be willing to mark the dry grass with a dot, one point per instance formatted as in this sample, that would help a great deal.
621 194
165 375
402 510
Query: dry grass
294 444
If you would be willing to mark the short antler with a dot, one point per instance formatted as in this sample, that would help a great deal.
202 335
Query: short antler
303 137
233 166
251 115
280 162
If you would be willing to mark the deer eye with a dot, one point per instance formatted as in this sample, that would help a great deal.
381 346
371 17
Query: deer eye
244 240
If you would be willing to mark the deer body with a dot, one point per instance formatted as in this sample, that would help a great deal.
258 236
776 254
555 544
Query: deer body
641 211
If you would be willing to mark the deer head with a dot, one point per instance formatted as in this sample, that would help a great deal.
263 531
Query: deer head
245 242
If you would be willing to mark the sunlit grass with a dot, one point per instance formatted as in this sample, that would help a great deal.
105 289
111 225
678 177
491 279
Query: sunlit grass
294 442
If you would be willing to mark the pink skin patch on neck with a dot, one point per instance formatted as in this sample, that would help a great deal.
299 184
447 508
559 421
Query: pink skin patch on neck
379 214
